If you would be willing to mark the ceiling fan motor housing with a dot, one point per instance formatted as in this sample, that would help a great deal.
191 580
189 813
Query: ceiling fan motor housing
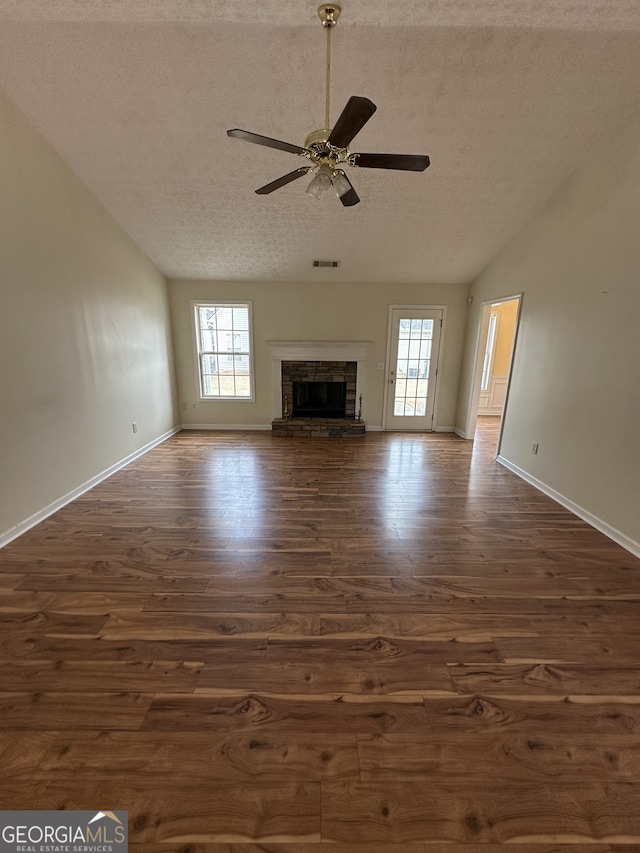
323 152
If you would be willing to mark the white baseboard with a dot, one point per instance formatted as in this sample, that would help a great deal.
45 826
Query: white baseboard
36 518
444 429
460 432
621 539
245 427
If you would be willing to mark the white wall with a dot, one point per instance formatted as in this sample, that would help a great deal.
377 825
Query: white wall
85 344
576 375
315 312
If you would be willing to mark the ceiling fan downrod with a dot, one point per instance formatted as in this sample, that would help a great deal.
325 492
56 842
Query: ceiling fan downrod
326 174
328 14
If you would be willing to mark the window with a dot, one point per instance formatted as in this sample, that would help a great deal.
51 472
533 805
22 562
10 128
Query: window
488 353
223 335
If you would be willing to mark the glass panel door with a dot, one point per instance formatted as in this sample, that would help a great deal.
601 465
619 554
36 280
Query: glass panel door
415 342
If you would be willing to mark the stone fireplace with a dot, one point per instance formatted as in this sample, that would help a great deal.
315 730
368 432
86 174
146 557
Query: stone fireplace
317 387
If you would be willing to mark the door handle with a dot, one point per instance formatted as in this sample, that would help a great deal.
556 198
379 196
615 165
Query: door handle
391 382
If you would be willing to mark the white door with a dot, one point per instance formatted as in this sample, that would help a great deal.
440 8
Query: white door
414 346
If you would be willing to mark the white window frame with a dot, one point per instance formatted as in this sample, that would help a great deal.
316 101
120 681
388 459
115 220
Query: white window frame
199 352
490 350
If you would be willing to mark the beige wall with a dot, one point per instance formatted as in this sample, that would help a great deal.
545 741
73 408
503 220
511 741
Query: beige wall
85 346
318 312
576 374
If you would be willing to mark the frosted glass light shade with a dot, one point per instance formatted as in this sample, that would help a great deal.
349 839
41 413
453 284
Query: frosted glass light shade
340 183
320 182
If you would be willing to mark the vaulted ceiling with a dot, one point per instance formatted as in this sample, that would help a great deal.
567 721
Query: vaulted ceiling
507 97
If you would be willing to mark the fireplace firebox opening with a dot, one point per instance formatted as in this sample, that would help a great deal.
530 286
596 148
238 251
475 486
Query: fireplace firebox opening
319 399
323 374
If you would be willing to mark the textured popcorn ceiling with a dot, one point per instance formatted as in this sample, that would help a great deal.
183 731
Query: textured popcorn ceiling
508 97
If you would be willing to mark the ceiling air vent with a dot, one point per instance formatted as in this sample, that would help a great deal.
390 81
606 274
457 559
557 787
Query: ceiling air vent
332 264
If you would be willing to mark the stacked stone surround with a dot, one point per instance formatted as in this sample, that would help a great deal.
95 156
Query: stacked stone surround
319 371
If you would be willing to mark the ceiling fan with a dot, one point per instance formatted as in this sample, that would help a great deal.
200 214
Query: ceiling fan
327 149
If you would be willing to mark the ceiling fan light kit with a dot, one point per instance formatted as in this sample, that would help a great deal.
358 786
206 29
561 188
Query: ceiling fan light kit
327 149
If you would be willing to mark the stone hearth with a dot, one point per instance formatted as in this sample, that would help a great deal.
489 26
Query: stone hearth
317 428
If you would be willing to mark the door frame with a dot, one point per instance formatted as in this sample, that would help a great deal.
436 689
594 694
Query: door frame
481 345
387 359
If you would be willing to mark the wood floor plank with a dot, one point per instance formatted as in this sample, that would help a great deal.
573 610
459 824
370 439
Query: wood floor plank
87 603
300 848
236 652
60 711
536 714
287 602
192 625
391 588
371 811
144 562
549 678
138 582
338 675
375 649
491 757
384 848
290 713
93 676
22 752
330 848
584 610
181 812
261 757
49 624
582 622
594 649
479 584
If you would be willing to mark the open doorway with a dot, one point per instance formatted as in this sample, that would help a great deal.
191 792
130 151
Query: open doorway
494 360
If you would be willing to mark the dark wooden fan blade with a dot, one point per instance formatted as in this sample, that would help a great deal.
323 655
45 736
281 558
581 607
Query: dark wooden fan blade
351 197
406 162
352 119
247 136
281 182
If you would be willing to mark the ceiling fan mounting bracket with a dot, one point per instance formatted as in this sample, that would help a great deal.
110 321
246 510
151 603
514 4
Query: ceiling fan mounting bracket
329 14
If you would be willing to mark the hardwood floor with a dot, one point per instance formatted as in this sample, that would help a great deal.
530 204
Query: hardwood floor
378 645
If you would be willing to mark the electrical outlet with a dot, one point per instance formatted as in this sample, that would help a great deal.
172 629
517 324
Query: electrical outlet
534 448
134 426
194 406
184 407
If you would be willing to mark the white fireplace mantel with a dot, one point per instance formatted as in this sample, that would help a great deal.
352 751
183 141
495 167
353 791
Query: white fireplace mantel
315 351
